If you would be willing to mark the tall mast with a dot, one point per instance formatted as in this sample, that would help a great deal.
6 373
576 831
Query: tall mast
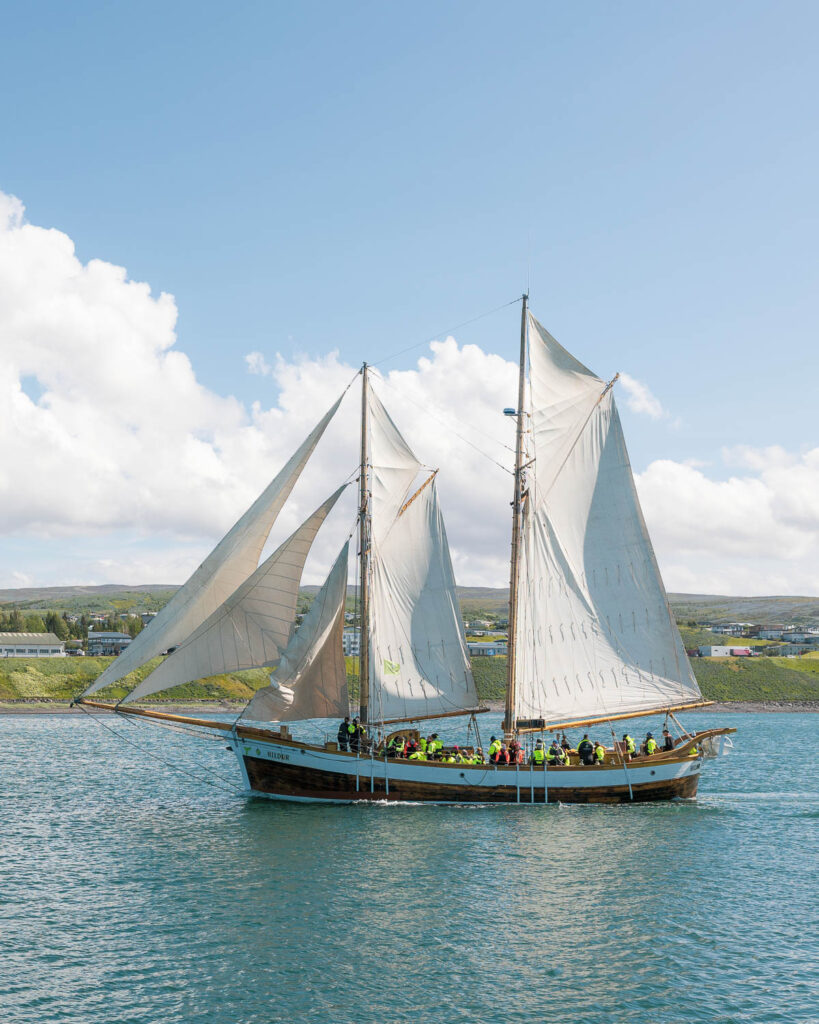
364 553
509 717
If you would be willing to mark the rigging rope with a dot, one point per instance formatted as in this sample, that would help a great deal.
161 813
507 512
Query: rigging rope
449 330
430 412
156 757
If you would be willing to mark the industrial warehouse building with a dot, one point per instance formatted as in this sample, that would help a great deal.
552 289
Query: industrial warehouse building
31 645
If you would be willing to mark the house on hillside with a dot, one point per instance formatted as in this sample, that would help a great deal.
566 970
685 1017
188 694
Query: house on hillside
714 651
107 643
351 642
31 645
484 649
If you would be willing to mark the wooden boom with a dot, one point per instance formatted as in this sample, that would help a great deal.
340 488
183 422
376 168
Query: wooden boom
554 726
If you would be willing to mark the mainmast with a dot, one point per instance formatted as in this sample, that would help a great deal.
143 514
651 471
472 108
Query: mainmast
509 717
364 554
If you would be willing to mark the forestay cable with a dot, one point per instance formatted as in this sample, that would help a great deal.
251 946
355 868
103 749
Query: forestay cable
156 757
444 333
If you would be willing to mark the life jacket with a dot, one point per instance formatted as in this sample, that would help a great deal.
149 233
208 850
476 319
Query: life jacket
418 755
538 755
599 754
651 746
423 744
629 742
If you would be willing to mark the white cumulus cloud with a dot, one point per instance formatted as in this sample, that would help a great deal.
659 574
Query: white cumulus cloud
120 466
640 399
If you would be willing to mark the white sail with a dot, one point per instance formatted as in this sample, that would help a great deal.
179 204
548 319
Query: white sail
595 635
311 679
418 658
394 467
253 626
230 563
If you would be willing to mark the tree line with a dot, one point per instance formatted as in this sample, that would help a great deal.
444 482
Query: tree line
52 622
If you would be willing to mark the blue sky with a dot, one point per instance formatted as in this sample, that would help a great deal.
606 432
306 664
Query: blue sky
361 177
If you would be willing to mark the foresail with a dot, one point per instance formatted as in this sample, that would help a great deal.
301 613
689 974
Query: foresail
418 659
253 626
595 634
226 567
311 679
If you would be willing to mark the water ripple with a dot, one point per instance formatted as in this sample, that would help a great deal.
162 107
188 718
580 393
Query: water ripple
130 895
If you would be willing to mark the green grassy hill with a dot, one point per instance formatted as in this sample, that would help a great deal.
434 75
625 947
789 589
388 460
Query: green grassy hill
723 679
64 678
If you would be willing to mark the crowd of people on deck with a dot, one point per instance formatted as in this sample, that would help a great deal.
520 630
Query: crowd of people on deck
352 736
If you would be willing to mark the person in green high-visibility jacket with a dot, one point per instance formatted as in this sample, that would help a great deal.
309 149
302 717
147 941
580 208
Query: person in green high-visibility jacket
599 753
538 755
650 745
494 750
422 743
554 755
434 746
629 745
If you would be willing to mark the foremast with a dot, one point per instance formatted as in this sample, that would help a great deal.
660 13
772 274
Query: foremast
509 723
363 555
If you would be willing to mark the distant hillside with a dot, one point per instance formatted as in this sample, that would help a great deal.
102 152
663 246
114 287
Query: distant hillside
802 611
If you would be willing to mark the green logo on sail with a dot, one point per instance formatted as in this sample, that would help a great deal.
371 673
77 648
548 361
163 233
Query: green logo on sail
391 668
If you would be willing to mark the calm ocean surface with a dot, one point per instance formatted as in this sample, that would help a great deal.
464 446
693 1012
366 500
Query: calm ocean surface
132 893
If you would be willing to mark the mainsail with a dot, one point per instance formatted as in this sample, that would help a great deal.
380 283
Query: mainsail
419 665
226 567
252 627
311 679
595 635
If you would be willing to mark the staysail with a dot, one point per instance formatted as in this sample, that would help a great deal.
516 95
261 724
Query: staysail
311 679
595 634
252 627
419 665
226 567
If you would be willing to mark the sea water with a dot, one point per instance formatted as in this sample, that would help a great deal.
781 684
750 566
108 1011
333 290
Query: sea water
137 884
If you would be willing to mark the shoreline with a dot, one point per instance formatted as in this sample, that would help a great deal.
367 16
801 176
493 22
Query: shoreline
42 706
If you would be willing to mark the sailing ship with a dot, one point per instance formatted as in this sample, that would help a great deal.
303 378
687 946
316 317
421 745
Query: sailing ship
592 639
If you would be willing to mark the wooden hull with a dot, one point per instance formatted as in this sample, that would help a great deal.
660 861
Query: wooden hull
308 774
276 766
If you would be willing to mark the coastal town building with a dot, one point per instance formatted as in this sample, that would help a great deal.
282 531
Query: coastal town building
107 643
486 649
351 642
715 651
31 645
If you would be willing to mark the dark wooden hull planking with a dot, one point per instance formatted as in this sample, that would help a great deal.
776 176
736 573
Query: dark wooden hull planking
302 782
